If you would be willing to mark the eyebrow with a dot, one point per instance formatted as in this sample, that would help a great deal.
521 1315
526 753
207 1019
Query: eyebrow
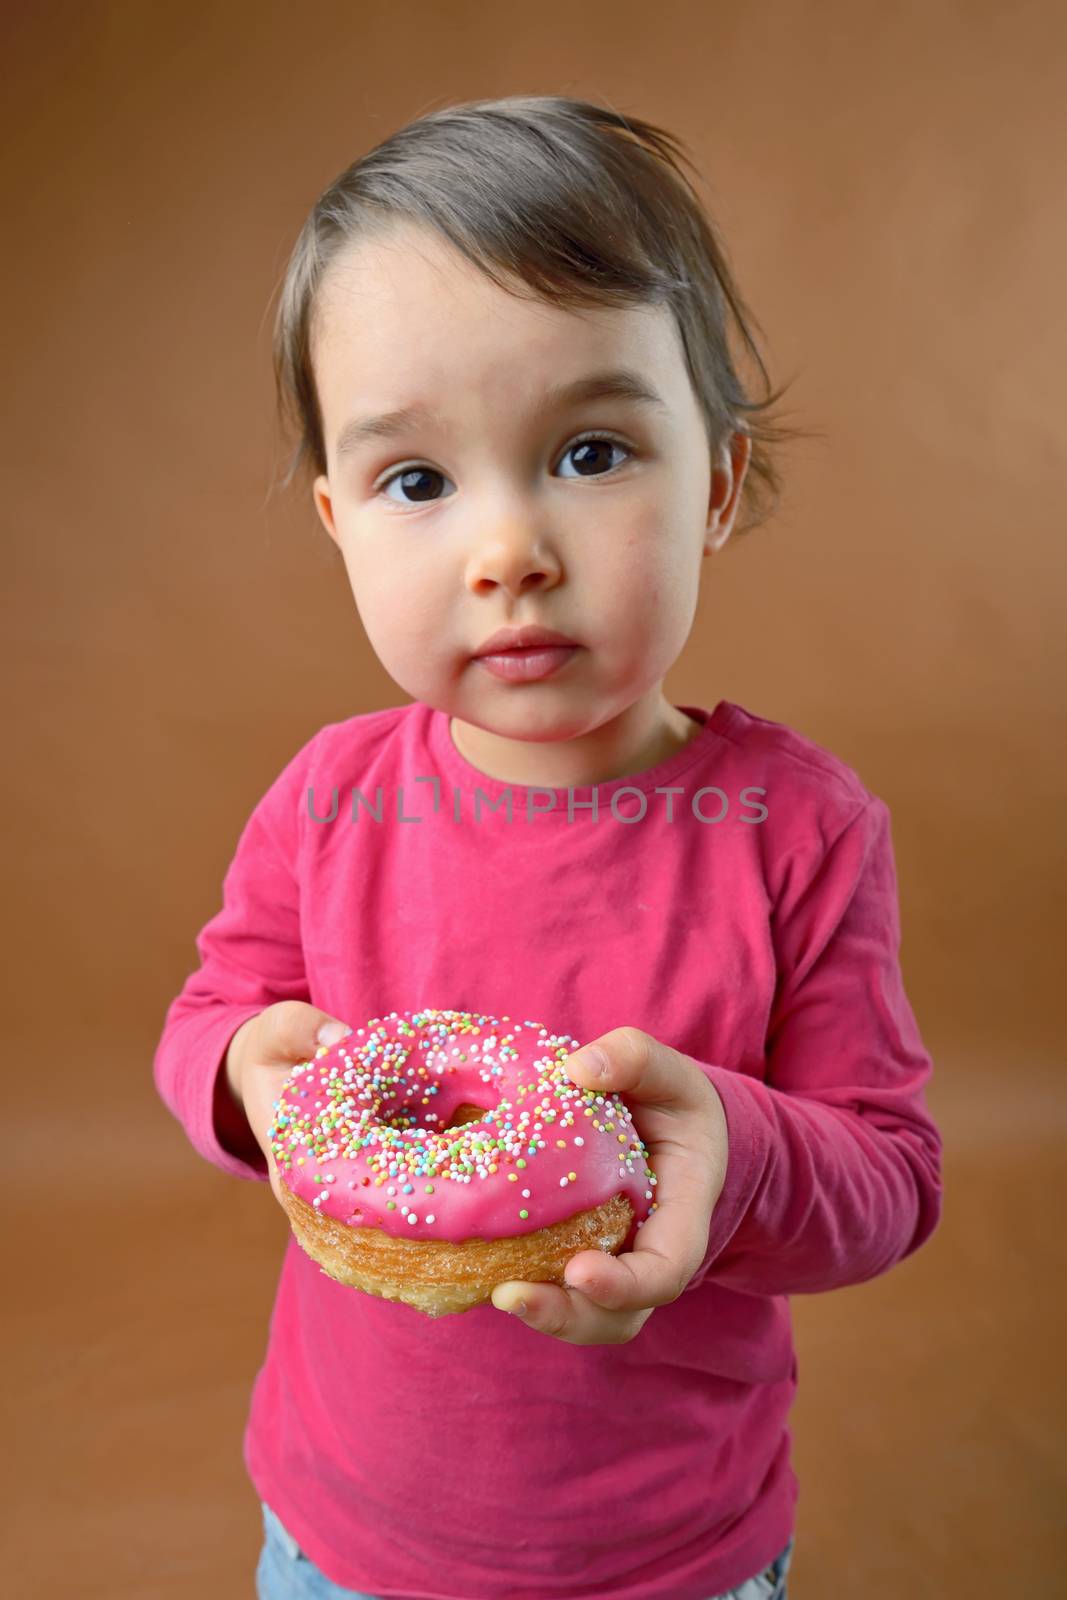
619 383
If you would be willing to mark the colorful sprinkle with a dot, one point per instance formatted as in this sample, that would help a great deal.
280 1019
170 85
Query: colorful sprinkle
381 1102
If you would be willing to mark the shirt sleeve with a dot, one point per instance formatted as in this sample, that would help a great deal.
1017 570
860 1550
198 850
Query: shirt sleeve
251 956
834 1167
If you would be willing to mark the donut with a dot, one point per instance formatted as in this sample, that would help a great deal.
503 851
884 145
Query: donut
434 1154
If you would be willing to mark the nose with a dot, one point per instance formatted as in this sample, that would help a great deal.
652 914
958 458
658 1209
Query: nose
512 554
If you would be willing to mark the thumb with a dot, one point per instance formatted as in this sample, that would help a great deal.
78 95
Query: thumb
331 1031
291 1031
629 1062
296 1031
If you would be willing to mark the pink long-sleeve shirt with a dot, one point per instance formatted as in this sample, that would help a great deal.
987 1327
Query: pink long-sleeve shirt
738 902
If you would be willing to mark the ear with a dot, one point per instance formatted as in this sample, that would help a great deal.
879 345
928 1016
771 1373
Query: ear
727 477
320 494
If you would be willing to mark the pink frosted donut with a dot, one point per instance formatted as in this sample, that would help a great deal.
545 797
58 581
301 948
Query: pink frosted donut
434 1154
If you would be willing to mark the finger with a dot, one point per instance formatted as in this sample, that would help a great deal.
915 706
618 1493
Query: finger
568 1314
679 1116
296 1031
263 1099
273 1174
670 1244
630 1062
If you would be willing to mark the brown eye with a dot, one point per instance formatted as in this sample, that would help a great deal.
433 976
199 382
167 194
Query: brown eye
592 454
416 482
419 484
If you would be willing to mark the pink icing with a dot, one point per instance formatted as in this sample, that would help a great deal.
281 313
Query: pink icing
360 1131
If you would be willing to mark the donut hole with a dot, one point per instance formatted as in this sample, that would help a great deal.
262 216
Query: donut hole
466 1113
409 1116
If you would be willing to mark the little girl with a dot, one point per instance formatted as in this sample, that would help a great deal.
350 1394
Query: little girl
503 336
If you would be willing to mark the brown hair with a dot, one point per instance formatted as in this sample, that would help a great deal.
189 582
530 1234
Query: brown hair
582 205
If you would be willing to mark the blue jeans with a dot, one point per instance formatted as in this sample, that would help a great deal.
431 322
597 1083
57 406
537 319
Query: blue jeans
285 1572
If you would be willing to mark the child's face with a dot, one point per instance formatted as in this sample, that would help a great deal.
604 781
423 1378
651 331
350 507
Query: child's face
497 517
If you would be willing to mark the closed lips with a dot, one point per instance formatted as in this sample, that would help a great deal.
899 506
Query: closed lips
520 639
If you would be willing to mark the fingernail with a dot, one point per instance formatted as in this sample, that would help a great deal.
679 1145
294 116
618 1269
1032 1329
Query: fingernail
509 1303
593 1060
332 1033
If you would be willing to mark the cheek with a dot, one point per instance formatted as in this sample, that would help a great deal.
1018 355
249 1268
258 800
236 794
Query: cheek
399 600
648 569
653 587
377 577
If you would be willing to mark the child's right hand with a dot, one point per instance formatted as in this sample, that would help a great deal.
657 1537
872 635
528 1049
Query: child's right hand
263 1053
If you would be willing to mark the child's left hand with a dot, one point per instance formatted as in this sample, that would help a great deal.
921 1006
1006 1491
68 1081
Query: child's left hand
678 1113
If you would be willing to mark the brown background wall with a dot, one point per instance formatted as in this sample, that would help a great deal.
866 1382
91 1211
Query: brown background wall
889 183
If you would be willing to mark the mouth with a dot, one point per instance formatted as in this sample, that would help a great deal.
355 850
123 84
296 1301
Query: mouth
526 654
530 637
527 665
